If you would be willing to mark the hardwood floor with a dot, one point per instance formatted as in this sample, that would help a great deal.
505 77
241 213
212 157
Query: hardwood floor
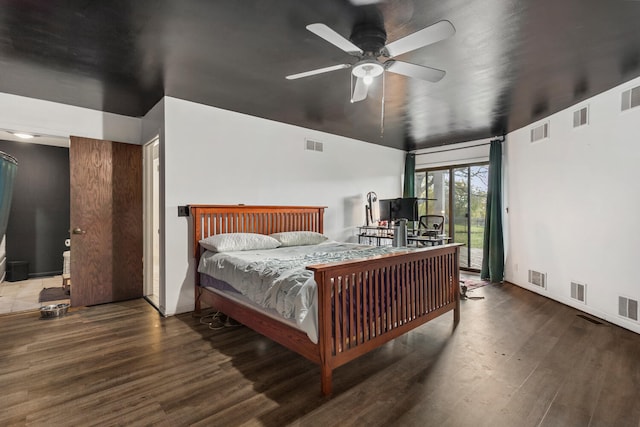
516 359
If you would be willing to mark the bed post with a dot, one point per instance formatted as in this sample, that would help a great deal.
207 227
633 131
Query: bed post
198 306
325 379
320 220
456 287
324 332
195 223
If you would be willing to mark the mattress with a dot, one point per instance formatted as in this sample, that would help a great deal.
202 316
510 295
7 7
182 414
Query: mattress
223 288
277 279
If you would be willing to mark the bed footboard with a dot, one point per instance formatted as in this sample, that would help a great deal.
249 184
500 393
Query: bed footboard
363 304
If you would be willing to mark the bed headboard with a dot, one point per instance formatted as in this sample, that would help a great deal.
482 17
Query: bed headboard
209 220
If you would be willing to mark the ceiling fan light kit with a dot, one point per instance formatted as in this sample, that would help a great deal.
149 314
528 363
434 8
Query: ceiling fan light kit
367 69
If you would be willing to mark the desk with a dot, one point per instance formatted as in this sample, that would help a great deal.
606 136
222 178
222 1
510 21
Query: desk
383 236
429 240
373 235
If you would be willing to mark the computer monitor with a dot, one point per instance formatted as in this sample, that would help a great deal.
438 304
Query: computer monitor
384 207
394 209
406 208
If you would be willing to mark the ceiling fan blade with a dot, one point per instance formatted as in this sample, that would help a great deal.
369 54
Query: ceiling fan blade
417 71
360 91
317 71
334 38
432 34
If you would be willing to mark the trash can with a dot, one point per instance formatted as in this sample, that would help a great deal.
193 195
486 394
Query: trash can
17 270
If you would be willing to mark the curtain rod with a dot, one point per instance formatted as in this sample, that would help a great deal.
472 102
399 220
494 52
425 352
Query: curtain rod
462 148
453 149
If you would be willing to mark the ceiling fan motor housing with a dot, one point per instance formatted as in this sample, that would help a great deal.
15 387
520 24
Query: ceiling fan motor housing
370 38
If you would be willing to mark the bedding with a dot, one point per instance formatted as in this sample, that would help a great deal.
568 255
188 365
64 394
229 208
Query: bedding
277 278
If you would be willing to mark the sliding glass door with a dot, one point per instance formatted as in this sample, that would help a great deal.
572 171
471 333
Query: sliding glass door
459 194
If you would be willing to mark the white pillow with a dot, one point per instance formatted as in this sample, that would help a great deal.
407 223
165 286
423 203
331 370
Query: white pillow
299 238
238 242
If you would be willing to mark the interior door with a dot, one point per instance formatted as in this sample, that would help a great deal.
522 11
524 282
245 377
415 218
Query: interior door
106 221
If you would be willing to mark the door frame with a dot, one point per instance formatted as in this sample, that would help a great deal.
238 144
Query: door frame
151 178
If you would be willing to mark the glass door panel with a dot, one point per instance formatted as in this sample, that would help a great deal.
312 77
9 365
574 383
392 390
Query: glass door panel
421 194
433 189
461 212
478 184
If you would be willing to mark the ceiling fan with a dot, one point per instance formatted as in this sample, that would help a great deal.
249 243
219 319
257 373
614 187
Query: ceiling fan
368 43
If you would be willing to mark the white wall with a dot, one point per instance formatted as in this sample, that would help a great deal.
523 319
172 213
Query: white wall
214 156
19 113
573 204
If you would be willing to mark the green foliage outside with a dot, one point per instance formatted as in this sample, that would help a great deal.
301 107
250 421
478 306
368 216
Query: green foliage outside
477 235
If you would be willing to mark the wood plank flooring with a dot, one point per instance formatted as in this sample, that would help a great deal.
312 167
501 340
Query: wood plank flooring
516 359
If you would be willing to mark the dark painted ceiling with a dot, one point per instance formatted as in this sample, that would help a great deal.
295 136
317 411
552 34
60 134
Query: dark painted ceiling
509 63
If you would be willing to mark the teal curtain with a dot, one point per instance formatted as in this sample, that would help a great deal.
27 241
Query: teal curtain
409 175
493 248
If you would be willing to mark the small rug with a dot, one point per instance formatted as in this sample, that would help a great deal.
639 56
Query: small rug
474 284
53 294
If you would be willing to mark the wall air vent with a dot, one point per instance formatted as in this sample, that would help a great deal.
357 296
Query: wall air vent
580 117
578 291
628 308
538 279
312 145
630 98
540 132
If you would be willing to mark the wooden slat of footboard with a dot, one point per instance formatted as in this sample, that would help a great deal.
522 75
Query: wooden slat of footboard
376 306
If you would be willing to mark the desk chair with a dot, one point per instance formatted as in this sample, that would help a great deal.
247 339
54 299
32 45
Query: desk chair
430 225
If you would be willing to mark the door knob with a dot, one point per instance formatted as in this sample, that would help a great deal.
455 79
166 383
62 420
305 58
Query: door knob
79 231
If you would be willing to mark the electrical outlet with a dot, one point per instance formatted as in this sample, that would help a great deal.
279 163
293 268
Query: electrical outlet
183 210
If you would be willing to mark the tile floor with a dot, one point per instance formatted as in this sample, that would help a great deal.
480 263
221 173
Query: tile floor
23 295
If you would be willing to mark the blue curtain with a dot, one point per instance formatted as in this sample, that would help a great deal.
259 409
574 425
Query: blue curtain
493 248
409 175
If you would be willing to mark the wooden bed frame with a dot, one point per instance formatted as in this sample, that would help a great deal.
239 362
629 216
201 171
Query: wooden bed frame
362 304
